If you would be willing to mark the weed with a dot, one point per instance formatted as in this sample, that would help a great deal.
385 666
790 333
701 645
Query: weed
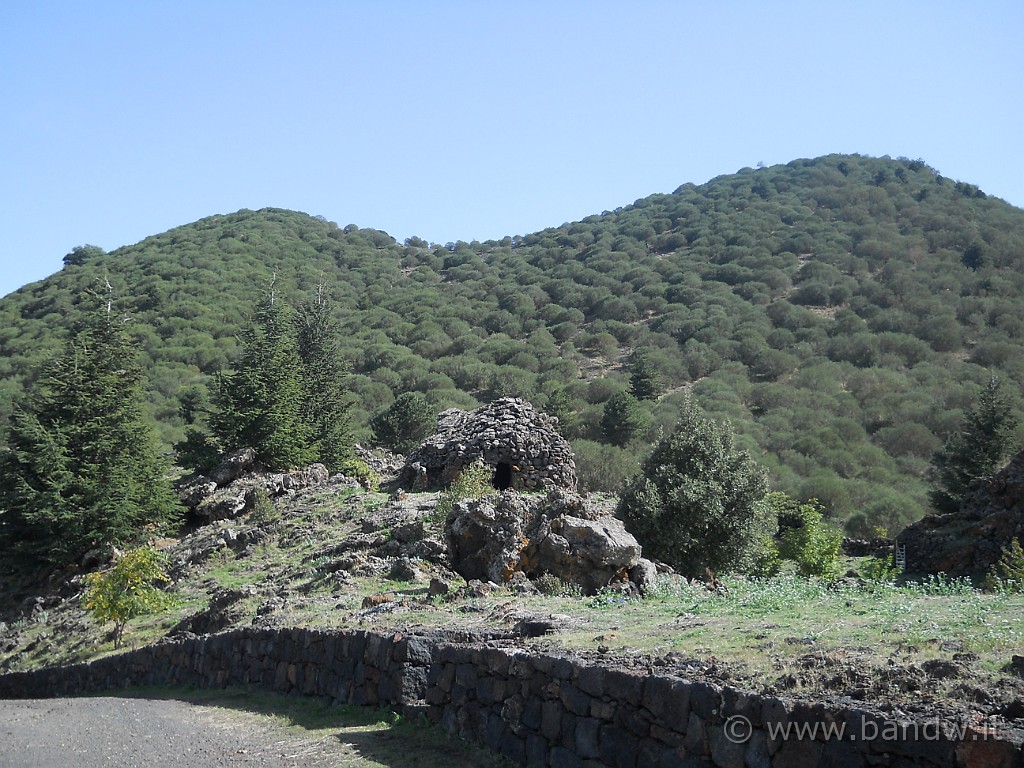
880 569
1007 575
473 482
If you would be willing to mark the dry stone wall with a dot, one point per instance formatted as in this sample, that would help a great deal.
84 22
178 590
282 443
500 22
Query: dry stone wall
521 444
969 541
542 710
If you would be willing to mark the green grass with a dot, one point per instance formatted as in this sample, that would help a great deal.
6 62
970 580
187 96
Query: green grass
758 629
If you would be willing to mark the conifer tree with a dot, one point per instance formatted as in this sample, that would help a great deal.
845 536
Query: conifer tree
977 450
325 404
403 424
644 380
259 403
81 467
622 419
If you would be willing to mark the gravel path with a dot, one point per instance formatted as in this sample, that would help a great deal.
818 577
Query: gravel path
107 732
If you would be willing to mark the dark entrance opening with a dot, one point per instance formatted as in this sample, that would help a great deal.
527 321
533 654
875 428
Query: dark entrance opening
503 476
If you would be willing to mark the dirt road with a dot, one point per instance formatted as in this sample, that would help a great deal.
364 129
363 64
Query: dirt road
129 733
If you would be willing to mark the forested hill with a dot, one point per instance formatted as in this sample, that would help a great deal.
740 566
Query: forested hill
842 312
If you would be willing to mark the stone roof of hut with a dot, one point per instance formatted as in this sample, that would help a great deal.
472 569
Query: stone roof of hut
508 431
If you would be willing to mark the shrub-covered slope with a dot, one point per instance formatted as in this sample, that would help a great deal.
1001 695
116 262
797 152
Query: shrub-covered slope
842 312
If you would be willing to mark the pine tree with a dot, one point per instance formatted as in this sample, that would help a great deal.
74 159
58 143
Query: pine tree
644 380
325 403
977 450
259 403
402 425
697 502
622 419
81 467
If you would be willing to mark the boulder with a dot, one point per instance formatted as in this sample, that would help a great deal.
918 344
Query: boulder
486 536
229 490
233 466
499 537
192 490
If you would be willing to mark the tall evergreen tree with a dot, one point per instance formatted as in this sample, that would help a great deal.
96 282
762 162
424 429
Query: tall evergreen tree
622 419
259 403
977 450
81 467
644 379
325 402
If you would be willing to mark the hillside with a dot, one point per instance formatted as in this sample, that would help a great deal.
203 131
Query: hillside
841 312
334 556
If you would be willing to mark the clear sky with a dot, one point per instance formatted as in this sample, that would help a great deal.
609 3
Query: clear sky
470 120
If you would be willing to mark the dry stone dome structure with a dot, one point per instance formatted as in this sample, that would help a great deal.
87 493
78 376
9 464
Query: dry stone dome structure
521 444
971 540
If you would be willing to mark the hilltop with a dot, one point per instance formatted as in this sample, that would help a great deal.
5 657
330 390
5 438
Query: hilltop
841 311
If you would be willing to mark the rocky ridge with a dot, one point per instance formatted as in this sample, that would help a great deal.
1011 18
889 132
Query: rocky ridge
969 541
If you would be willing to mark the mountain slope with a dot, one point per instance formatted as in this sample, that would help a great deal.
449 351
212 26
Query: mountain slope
840 311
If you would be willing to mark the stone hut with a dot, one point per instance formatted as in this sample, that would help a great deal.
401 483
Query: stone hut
971 540
521 444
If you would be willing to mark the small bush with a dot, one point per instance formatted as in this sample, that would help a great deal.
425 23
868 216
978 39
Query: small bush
603 468
360 471
127 590
473 482
807 540
552 586
262 510
880 569
1007 575
764 560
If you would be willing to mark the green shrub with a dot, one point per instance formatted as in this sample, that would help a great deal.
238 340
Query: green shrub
603 468
553 586
1007 575
360 471
403 425
880 569
262 510
127 590
764 560
805 538
697 502
472 483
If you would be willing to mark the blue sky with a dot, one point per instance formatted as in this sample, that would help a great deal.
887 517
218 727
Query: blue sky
469 120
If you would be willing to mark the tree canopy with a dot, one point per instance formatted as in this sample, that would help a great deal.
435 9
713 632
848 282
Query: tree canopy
841 312
696 503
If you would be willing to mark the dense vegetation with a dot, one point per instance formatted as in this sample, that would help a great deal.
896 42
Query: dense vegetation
81 468
842 312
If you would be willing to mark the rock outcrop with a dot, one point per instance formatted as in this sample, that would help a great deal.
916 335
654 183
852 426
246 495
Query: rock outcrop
969 541
520 444
230 489
499 537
